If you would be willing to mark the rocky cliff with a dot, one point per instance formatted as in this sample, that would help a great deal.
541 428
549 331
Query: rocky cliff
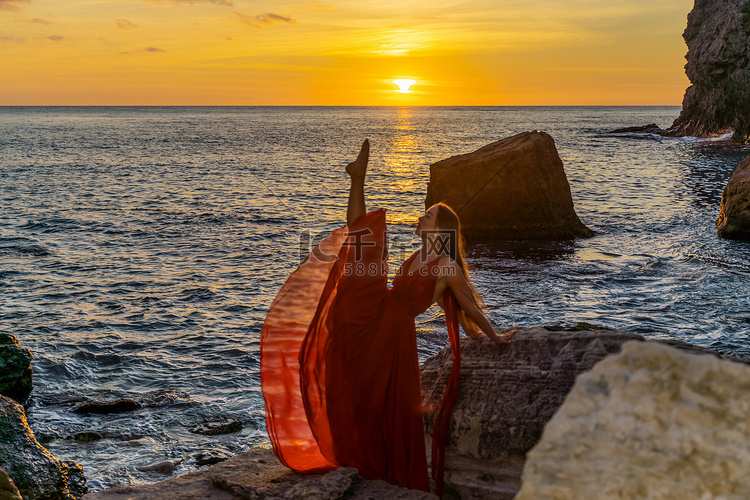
718 66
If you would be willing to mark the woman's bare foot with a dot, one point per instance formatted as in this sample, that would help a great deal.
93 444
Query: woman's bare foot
357 168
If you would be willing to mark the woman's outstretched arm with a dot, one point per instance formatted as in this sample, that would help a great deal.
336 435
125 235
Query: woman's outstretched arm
457 283
470 332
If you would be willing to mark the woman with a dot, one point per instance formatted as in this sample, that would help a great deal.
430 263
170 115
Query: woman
339 367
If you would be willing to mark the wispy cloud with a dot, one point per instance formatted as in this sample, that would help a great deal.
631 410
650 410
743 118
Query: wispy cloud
226 3
16 39
265 19
11 5
37 20
58 38
147 49
125 24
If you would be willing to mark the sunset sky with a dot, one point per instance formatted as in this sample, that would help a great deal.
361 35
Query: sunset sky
342 52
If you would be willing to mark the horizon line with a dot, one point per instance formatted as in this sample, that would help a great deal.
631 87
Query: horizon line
340 106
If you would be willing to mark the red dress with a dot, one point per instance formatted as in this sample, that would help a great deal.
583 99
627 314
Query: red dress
339 367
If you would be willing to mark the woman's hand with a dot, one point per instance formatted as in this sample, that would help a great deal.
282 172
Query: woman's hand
504 338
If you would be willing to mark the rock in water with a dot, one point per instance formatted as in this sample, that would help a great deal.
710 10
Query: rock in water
15 369
734 215
512 189
165 467
210 457
119 406
653 422
217 426
37 474
651 128
718 66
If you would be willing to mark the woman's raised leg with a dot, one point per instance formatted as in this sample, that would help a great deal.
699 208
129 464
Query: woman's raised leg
356 171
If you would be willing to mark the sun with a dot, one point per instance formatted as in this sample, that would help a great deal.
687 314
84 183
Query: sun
403 85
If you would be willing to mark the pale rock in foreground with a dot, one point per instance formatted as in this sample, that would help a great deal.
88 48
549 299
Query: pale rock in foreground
652 422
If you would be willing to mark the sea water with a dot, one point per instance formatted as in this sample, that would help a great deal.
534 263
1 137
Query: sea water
140 248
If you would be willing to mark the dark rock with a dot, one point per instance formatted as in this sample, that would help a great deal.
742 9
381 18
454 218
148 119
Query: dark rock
8 490
577 327
215 427
119 406
210 458
734 214
76 480
87 437
165 467
37 474
718 66
651 128
507 395
512 189
15 369
582 325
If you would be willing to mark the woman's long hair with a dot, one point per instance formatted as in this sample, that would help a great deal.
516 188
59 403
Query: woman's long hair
450 226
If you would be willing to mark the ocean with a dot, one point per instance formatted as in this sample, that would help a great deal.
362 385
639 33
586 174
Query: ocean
140 248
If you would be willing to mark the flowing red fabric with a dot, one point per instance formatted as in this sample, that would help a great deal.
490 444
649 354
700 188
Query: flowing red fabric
339 366
443 416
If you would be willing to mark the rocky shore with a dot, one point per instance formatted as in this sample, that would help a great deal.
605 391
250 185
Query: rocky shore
500 439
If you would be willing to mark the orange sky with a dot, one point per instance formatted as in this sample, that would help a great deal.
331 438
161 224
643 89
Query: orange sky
348 52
